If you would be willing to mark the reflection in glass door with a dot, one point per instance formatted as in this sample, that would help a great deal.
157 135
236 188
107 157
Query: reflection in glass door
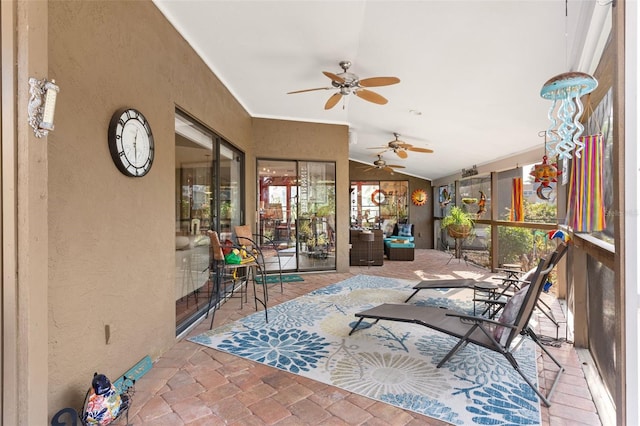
297 211
230 202
194 185
208 196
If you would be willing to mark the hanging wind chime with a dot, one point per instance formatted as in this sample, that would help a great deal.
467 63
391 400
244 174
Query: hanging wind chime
565 91
545 173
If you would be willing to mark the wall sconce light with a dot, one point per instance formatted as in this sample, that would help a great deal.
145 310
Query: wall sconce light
42 105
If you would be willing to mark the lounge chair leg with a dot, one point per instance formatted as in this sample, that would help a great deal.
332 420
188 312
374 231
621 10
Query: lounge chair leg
543 398
450 354
548 313
461 344
516 366
355 327
561 369
413 294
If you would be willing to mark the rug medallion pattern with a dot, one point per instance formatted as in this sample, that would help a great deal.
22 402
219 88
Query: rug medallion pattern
389 361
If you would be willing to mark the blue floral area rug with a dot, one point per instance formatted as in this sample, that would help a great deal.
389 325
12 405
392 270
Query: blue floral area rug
389 361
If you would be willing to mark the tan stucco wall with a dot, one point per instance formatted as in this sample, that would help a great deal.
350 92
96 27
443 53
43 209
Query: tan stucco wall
111 245
420 216
111 238
24 218
294 140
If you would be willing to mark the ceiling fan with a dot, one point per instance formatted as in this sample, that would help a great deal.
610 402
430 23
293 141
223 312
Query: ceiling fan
348 83
382 165
400 147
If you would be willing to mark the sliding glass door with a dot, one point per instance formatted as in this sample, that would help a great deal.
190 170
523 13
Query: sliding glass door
209 195
297 210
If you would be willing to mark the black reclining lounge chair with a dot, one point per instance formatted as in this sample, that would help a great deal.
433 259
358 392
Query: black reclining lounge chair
451 283
499 336
510 284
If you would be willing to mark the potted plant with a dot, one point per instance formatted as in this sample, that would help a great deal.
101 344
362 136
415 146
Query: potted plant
303 232
458 223
225 209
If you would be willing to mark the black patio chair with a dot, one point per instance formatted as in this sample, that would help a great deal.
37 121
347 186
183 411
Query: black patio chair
501 336
229 279
268 249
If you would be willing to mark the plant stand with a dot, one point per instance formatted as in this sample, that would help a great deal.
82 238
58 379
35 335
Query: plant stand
458 233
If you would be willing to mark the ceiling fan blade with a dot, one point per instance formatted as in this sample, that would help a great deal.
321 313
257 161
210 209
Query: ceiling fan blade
380 147
416 149
388 169
401 153
334 77
368 168
310 90
333 100
395 166
370 96
379 81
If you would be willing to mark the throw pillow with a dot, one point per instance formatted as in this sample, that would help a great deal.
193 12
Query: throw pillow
404 230
509 315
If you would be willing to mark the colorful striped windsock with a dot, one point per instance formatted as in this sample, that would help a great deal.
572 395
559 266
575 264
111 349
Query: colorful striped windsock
585 206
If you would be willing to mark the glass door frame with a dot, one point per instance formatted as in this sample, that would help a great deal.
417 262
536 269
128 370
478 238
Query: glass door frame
309 228
198 239
229 207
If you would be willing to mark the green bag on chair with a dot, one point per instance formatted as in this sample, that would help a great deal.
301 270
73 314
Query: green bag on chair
233 258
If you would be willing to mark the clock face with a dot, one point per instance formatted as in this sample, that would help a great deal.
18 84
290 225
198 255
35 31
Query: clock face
131 142
419 197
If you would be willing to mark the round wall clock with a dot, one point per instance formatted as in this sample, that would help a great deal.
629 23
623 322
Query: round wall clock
131 142
419 197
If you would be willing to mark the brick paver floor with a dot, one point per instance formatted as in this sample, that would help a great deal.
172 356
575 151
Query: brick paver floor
195 385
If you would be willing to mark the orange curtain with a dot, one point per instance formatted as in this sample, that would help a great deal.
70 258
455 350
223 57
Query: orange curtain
517 204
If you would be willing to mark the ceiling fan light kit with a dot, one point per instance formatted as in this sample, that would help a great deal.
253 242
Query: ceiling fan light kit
349 83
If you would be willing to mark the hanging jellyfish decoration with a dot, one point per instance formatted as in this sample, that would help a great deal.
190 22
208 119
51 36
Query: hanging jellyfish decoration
565 91
545 173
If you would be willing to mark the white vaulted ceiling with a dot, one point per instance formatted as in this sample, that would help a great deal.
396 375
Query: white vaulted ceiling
470 71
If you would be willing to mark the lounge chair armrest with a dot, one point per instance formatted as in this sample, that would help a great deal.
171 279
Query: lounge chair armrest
512 271
491 301
478 320
512 280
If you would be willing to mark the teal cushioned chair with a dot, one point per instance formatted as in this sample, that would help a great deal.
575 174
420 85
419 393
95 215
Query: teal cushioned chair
400 245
